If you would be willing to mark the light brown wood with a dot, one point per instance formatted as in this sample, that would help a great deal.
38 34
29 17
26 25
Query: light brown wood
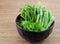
8 13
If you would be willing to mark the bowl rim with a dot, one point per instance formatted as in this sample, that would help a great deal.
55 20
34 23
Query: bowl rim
32 31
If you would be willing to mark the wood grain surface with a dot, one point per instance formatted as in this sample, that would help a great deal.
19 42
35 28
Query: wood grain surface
8 13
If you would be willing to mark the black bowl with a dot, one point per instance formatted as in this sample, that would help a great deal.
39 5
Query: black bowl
33 36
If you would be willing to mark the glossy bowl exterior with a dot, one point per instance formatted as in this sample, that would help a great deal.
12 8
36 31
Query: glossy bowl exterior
34 36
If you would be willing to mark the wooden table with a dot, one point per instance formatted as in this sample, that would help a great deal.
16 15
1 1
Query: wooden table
8 13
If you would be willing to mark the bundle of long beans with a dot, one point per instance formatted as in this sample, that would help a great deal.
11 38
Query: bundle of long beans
35 18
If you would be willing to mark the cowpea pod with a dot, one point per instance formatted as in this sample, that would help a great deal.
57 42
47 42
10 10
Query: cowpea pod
22 13
51 19
38 16
27 14
41 15
34 14
46 18
50 22
49 15
40 11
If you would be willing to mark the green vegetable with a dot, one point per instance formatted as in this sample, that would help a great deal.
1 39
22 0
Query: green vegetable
36 18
